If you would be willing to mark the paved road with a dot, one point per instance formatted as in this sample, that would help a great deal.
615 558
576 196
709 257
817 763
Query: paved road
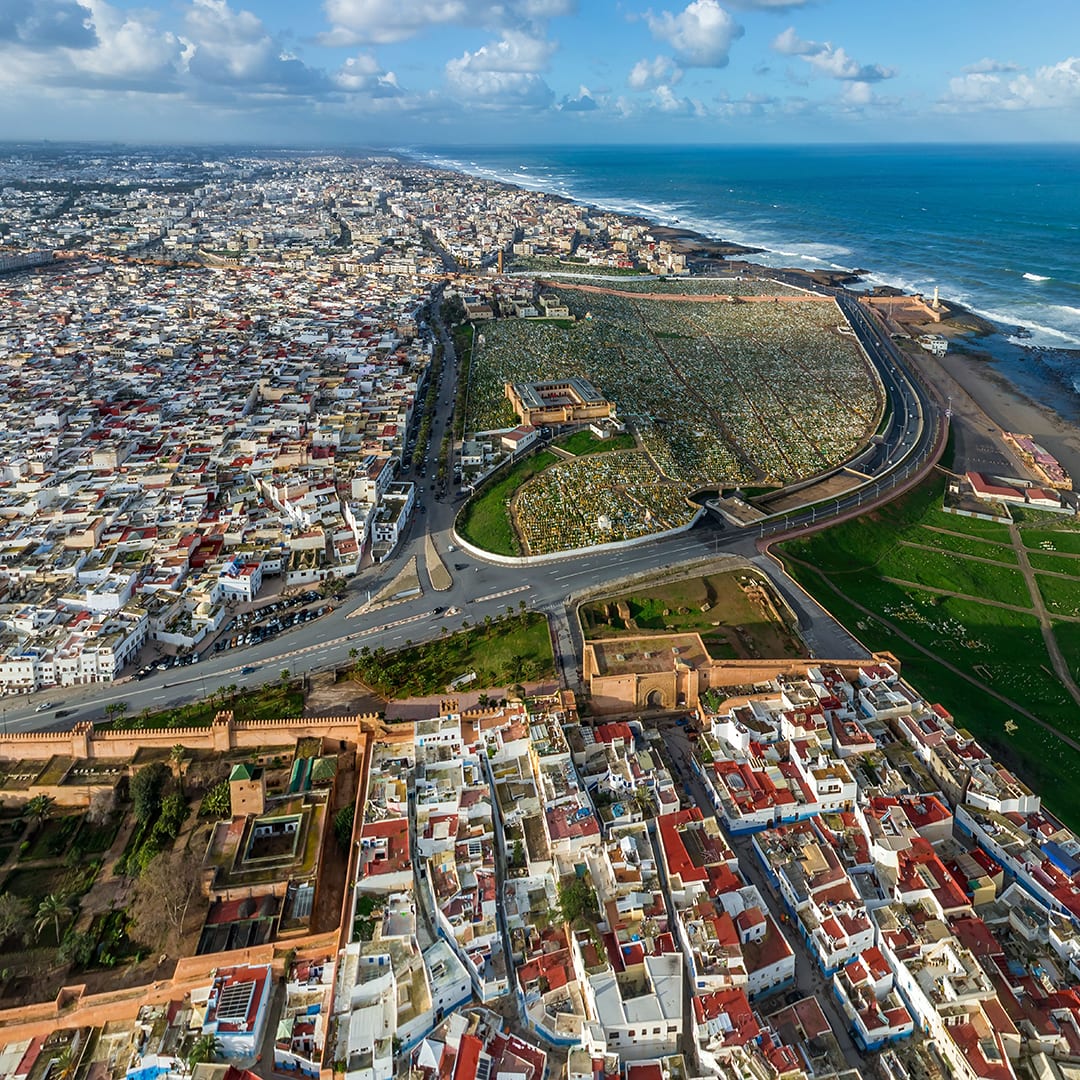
483 588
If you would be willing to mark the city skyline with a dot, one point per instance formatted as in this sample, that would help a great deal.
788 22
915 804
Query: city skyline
533 71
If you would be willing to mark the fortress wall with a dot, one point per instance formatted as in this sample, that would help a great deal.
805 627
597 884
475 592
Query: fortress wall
73 1007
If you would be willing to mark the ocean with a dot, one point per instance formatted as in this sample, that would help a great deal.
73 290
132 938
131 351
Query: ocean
996 228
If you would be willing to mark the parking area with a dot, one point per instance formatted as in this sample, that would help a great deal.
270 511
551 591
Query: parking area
248 626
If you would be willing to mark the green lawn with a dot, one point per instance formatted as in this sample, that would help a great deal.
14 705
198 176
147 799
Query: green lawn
943 570
271 702
516 648
484 520
1051 540
985 530
715 606
965 545
1004 650
1061 596
1068 639
585 442
1057 564
1048 764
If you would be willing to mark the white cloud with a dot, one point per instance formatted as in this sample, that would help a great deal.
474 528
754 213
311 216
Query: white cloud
514 51
47 24
988 66
364 74
858 94
500 89
767 5
1053 86
667 102
384 21
829 59
233 48
701 34
648 74
584 101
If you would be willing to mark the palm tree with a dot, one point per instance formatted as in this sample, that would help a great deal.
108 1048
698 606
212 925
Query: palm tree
643 800
205 1048
51 909
38 808
177 752
120 707
285 675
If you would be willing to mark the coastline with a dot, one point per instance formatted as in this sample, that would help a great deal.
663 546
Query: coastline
978 359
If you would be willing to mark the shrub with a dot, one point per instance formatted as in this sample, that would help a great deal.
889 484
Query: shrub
146 788
217 802
343 826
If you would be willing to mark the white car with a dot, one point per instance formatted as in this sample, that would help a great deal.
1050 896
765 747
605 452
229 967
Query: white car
43 706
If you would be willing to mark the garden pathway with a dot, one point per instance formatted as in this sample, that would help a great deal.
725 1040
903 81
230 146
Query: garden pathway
1045 624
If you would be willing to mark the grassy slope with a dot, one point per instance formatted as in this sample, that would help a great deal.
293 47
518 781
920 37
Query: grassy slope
1002 649
485 522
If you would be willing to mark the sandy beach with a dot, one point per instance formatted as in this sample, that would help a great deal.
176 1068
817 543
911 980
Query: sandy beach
959 375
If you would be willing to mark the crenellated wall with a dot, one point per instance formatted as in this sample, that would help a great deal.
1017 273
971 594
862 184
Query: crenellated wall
225 733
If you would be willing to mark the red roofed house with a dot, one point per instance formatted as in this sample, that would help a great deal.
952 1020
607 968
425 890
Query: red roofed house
235 1008
870 1002
385 863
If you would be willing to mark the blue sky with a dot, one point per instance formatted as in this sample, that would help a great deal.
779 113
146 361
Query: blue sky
393 72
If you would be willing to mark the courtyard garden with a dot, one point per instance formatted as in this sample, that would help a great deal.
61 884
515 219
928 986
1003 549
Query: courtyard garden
737 614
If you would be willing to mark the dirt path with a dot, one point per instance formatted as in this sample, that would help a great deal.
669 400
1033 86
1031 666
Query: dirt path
960 554
1061 668
950 532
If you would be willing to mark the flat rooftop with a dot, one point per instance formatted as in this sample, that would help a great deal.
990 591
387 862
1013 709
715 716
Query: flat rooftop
641 656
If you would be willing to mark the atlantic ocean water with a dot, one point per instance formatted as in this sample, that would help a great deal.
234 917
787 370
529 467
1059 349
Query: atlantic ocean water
996 228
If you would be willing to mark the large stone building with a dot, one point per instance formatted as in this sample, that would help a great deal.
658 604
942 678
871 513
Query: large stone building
672 671
563 401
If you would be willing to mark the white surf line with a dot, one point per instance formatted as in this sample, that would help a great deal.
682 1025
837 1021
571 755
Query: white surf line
496 595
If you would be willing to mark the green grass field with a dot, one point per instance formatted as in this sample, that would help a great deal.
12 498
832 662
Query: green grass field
1056 564
732 626
984 530
1037 755
516 648
585 442
965 545
270 702
1002 650
485 521
945 570
1051 540
1061 595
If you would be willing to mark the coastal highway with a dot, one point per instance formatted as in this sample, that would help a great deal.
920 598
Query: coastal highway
484 588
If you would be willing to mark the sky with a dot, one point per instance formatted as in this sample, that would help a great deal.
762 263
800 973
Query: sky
517 72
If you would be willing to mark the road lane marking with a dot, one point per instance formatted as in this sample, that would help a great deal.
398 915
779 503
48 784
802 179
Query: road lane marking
496 595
